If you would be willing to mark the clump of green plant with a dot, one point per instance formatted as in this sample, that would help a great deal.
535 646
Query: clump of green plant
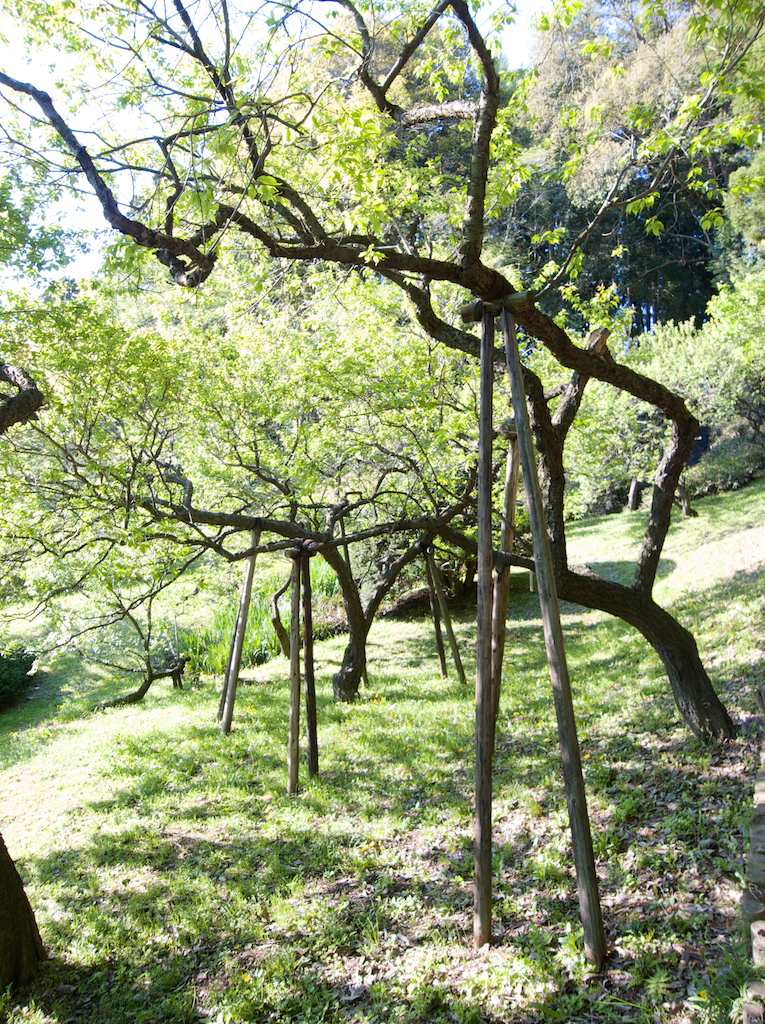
15 667
208 648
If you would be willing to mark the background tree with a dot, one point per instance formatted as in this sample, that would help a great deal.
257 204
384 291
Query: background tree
23 244
314 438
345 172
21 948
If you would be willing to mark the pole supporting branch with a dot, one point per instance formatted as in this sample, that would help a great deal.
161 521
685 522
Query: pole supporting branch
586 876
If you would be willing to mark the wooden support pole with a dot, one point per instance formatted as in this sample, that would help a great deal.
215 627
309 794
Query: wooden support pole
224 687
235 663
484 701
586 877
502 578
446 617
434 611
310 679
293 739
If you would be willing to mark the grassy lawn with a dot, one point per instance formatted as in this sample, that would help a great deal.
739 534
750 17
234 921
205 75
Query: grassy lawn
175 881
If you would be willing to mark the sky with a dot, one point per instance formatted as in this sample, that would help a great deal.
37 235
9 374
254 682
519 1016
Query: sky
518 39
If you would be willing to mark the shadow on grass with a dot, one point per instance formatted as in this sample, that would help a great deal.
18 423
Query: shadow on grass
208 887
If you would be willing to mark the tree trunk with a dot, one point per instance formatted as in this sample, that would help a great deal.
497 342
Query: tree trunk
276 620
685 501
134 697
633 499
698 704
21 948
347 679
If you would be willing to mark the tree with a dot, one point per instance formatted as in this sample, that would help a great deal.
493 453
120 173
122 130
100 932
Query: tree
21 948
312 439
345 171
608 76
25 245
121 630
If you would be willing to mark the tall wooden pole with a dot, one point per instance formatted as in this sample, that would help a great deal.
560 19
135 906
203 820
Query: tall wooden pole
235 661
434 611
446 617
484 700
224 688
502 578
293 740
310 679
586 877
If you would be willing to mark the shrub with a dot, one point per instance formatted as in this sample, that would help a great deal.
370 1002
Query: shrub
728 465
15 666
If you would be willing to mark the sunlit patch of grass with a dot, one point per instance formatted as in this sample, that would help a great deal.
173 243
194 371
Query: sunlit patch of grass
174 880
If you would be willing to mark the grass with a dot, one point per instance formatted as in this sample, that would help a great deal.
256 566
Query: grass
174 881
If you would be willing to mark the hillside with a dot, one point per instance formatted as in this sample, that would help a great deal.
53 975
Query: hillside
175 881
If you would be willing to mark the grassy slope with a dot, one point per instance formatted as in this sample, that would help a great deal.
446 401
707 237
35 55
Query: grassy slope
174 880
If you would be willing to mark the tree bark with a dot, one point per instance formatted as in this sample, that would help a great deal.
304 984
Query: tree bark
698 704
276 620
692 689
134 697
685 501
21 948
633 499
347 679
173 671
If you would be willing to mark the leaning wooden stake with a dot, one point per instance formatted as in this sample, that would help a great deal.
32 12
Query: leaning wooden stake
446 617
224 687
502 577
310 679
434 611
293 741
235 661
586 877
484 700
